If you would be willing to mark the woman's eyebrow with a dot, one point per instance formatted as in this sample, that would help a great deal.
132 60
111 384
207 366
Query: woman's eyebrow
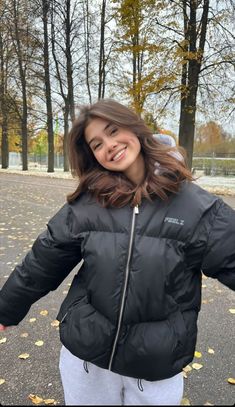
106 128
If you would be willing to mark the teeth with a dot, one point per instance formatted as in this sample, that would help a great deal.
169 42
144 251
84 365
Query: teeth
118 154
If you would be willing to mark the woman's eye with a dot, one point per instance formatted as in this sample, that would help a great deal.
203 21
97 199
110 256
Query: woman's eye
96 146
113 130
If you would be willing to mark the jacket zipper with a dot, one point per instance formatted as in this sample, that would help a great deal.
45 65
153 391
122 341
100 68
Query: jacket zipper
135 212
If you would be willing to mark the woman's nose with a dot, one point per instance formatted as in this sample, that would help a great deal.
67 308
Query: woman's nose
111 145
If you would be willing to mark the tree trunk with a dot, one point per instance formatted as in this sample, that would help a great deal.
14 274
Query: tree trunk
65 141
4 149
101 89
69 62
45 10
87 49
3 113
22 71
190 73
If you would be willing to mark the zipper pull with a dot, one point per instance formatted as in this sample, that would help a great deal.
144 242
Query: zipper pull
136 210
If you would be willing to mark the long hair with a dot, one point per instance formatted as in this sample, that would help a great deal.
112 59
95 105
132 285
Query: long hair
164 171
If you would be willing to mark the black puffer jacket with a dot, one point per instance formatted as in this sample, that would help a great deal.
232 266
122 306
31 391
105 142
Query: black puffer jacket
133 306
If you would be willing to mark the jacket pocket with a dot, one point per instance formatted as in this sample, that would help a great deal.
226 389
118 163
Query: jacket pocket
85 332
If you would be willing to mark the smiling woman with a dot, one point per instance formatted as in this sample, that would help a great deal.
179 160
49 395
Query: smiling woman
114 153
143 234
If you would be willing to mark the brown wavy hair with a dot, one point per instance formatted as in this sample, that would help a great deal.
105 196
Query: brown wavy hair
114 188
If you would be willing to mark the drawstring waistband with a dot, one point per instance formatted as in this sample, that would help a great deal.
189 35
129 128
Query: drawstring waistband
139 384
139 381
85 365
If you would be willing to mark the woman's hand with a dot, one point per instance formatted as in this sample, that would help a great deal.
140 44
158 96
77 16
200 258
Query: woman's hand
2 327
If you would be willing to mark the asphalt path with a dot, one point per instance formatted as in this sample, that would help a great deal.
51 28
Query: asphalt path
27 203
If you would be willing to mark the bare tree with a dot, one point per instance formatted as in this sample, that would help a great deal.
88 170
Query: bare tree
194 33
4 47
45 15
64 33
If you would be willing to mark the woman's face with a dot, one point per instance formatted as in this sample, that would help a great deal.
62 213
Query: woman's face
115 148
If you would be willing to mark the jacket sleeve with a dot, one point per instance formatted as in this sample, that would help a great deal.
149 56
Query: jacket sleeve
219 256
53 255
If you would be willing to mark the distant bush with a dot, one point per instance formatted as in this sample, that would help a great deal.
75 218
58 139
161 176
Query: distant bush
215 166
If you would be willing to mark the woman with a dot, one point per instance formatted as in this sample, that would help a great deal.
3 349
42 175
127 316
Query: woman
144 232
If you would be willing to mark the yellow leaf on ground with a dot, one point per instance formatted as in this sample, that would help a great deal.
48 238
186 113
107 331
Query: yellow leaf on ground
44 312
49 401
197 354
187 369
23 356
32 320
55 323
39 343
3 340
24 335
185 402
231 380
35 399
232 310
197 366
211 351
2 381
204 286
185 375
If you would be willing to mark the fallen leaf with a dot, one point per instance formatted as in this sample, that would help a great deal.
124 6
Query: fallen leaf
187 369
197 354
197 366
35 399
65 292
2 381
23 356
49 401
185 402
44 312
232 310
55 323
204 301
184 375
39 343
32 319
204 286
211 351
3 340
218 291
24 335
231 380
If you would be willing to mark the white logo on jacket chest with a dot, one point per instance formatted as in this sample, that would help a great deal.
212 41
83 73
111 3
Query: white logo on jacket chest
176 221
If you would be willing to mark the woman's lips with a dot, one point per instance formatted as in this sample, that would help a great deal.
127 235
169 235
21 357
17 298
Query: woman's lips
119 155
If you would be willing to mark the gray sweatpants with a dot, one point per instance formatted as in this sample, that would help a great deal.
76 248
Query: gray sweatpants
102 387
